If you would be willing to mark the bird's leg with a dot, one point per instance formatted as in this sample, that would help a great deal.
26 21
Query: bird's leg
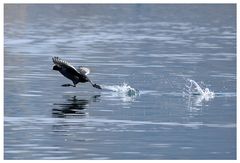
68 85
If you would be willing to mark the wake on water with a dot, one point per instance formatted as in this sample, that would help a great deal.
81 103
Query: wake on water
192 90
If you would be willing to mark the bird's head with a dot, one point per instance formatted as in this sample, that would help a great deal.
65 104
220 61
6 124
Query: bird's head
57 68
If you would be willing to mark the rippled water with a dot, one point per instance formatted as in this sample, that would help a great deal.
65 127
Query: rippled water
151 49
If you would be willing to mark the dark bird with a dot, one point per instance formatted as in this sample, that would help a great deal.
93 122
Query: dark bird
76 75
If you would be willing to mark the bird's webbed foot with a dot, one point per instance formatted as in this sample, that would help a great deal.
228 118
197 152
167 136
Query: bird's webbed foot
97 86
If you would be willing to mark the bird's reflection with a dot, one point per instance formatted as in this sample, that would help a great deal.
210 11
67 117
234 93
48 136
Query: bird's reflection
73 106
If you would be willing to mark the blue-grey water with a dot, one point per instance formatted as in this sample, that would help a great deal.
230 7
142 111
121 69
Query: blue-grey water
154 49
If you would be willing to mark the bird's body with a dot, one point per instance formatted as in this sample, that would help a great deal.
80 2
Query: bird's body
70 72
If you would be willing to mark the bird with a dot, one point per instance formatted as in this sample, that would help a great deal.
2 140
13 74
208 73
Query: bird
75 75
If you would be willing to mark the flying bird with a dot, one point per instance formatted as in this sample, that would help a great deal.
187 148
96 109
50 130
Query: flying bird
75 75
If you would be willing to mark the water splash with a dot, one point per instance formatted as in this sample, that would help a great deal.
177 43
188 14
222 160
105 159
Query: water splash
195 89
197 95
125 92
123 89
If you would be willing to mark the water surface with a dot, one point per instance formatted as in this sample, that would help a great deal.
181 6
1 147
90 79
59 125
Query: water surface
151 48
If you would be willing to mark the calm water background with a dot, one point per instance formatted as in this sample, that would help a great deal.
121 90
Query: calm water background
152 48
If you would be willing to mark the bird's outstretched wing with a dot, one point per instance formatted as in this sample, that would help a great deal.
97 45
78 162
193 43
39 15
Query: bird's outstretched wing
83 70
65 65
